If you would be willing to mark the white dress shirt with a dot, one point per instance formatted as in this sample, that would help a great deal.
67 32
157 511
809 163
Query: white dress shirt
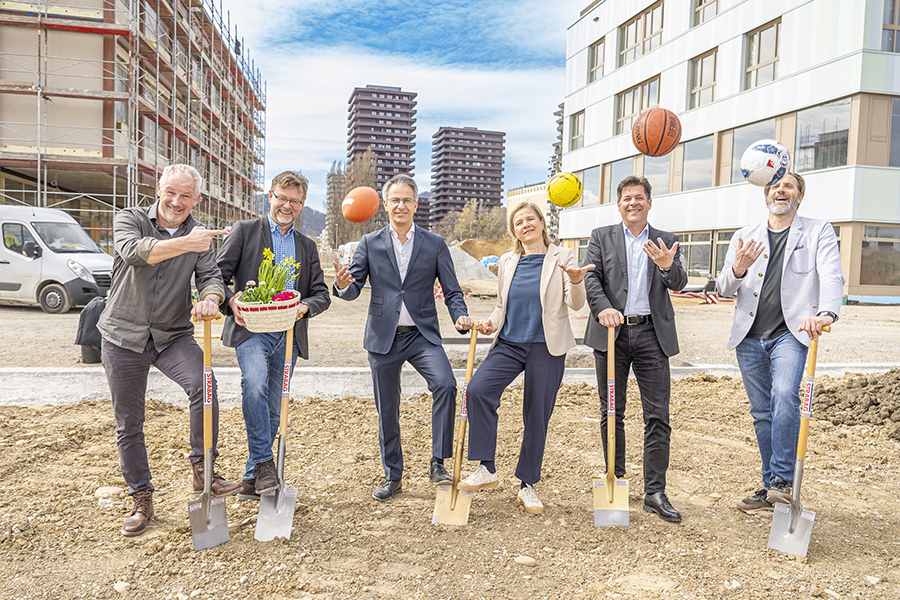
403 252
638 299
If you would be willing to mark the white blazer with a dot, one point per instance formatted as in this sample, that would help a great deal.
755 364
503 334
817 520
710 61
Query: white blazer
558 294
811 279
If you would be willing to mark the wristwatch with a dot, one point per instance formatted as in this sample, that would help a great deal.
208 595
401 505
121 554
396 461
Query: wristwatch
833 316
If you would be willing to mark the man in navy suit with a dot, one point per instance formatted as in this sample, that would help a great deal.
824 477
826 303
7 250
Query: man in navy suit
402 262
261 355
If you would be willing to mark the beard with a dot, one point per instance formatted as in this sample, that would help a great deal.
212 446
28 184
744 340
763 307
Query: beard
782 209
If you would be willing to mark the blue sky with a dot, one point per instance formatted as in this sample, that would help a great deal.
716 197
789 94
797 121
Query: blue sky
497 65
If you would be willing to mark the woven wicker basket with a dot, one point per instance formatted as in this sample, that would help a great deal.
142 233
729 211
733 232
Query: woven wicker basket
269 317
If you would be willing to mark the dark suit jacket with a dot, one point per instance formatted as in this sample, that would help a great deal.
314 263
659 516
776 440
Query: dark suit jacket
239 261
374 259
606 285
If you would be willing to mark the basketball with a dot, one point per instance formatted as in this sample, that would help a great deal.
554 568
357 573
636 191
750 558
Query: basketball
564 189
360 204
656 132
765 162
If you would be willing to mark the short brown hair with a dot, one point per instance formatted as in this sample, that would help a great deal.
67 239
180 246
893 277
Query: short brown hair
630 181
400 179
801 184
291 180
518 248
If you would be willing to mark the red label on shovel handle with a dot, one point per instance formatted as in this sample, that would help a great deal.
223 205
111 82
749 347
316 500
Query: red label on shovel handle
208 386
286 380
806 407
610 398
464 411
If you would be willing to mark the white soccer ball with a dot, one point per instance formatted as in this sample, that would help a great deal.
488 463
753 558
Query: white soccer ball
765 162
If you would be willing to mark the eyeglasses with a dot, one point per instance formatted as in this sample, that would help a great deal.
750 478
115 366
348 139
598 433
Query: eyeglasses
283 200
407 202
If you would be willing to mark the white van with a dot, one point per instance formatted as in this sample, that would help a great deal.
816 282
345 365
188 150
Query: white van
48 259
345 253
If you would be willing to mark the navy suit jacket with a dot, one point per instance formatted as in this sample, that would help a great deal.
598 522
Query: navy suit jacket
239 261
374 260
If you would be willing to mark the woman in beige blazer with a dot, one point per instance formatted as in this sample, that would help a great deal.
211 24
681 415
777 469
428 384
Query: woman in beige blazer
538 283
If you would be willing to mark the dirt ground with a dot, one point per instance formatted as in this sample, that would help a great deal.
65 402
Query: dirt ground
59 539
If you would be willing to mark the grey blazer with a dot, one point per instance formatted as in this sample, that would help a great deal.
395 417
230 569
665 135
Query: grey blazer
811 279
239 261
607 286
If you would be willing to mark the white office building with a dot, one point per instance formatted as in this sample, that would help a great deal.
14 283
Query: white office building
820 76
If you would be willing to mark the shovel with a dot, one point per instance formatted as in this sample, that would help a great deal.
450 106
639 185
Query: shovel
610 494
452 504
209 525
791 523
276 508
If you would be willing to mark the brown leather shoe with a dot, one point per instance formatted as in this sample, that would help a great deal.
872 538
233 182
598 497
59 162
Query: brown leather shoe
219 486
136 522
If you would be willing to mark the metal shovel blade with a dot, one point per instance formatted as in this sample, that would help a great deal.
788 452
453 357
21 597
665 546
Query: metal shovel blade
447 511
791 528
610 510
276 514
209 525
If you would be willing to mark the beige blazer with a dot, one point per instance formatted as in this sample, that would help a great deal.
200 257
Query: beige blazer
558 294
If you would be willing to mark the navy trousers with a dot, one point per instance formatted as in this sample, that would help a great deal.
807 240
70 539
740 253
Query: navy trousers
637 348
543 374
432 364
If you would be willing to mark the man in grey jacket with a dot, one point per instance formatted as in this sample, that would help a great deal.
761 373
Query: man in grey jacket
787 276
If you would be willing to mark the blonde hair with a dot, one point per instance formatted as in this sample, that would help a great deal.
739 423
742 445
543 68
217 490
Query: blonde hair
518 248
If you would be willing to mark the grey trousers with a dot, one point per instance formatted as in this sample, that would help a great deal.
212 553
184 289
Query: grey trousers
126 372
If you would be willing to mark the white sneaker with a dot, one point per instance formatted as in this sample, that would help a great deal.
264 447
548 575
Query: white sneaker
530 500
480 479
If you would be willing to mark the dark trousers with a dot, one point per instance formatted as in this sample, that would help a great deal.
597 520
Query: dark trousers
543 374
637 348
126 372
432 364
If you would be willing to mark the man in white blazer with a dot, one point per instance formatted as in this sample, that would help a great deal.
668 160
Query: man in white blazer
787 276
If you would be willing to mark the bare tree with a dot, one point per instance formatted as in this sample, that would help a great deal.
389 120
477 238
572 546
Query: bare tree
446 227
477 221
359 171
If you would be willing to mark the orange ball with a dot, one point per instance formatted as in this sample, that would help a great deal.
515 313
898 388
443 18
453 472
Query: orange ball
656 132
360 205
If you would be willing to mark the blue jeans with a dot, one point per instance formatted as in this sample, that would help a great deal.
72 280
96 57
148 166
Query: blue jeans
261 358
772 371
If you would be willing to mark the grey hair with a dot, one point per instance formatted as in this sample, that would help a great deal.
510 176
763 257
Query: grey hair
400 179
181 170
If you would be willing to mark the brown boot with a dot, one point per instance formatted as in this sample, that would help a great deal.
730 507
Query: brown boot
136 522
219 486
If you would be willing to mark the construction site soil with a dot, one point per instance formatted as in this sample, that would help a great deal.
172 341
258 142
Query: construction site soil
60 516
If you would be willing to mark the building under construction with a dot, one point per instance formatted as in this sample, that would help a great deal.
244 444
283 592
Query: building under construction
98 96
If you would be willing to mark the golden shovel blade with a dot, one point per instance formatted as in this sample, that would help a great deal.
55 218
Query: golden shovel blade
610 504
447 511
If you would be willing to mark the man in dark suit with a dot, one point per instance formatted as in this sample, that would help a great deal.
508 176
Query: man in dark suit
261 355
636 266
401 262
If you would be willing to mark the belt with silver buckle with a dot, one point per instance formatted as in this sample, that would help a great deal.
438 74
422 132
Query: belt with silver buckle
405 328
637 320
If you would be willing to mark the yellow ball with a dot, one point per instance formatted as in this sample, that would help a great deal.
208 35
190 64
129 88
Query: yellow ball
564 189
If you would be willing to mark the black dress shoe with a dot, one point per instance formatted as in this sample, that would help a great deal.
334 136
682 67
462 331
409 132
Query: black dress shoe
438 474
387 489
659 504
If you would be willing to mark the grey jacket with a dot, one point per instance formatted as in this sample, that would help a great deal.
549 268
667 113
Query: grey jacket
811 279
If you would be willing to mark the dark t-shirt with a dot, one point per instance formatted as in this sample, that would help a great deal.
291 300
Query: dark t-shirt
769 322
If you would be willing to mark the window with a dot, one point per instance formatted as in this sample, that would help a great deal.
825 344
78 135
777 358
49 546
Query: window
823 134
577 131
641 34
695 253
890 35
590 179
595 61
582 250
656 170
723 239
703 79
762 55
618 171
14 237
743 137
894 159
632 102
698 164
880 263
704 10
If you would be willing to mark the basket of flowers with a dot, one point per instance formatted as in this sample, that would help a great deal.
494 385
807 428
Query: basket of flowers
267 305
